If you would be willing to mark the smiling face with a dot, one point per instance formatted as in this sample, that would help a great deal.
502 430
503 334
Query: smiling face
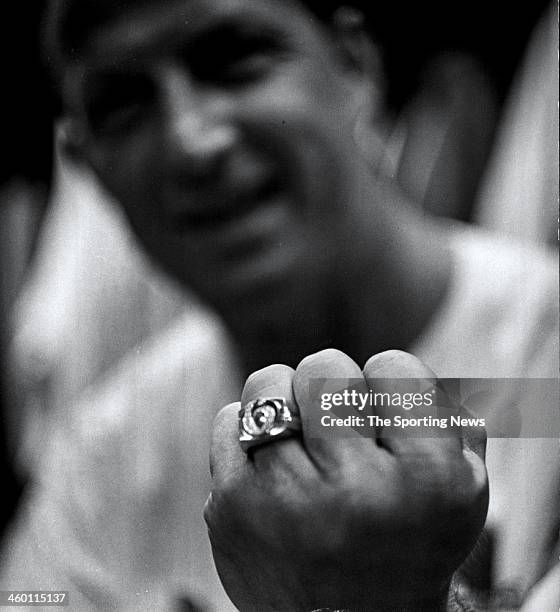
224 128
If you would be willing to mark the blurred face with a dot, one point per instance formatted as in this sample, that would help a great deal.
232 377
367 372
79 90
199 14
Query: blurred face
223 127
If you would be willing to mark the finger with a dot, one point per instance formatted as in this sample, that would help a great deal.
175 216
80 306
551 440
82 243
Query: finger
474 436
415 426
274 381
226 457
330 370
474 448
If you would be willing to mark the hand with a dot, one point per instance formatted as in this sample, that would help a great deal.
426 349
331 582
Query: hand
355 523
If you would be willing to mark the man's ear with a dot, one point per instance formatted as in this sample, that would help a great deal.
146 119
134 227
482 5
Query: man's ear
360 57
71 139
357 50
362 63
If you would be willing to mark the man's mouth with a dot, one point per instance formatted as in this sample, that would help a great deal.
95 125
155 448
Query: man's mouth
250 242
226 209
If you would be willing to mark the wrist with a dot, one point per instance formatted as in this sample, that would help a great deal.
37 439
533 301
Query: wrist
464 598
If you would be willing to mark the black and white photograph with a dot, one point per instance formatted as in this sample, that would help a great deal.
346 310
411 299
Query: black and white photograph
279 306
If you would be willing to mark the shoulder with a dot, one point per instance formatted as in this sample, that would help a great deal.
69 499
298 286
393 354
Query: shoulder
118 493
500 313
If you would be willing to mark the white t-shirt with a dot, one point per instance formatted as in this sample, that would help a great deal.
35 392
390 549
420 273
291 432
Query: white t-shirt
115 513
500 320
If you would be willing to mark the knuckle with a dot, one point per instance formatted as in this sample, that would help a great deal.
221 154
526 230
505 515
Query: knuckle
225 418
462 491
388 356
325 356
208 511
267 381
395 363
254 378
475 437
270 372
391 359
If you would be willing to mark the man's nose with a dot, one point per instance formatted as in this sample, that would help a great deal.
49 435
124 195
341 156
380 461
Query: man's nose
199 131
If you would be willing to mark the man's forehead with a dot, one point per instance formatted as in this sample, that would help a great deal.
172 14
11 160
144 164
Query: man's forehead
153 25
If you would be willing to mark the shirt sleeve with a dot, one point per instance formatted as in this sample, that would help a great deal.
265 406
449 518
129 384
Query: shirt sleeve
500 320
114 515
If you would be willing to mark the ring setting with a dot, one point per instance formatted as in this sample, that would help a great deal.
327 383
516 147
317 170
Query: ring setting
265 420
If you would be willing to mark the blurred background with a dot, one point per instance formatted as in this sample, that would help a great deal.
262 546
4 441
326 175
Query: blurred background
468 127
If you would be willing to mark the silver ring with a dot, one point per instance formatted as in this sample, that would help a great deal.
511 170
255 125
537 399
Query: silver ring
265 420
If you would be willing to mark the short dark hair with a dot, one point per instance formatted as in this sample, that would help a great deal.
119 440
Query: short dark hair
69 23
26 99
408 32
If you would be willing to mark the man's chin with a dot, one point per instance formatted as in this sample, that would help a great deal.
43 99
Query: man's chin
254 301
252 281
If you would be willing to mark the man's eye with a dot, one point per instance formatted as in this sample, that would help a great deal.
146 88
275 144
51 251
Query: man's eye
235 60
115 118
117 107
248 67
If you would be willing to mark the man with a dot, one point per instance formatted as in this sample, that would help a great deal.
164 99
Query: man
239 182
226 129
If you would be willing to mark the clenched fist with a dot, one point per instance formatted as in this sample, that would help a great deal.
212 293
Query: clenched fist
357 523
